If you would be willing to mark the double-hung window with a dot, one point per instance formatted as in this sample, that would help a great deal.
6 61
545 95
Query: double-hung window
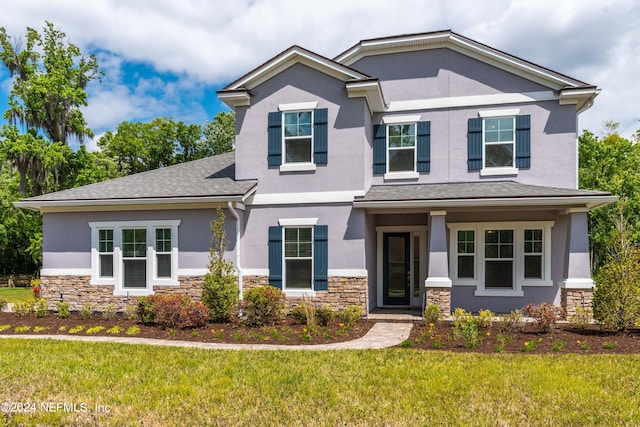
133 256
500 258
298 257
297 137
401 147
499 142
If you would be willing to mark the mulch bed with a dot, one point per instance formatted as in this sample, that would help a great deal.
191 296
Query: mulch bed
564 338
286 333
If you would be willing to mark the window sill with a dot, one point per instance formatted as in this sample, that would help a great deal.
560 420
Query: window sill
102 281
298 167
498 171
165 282
498 293
534 283
132 292
390 176
301 293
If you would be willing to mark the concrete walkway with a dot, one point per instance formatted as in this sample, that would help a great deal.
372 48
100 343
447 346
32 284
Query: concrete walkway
381 335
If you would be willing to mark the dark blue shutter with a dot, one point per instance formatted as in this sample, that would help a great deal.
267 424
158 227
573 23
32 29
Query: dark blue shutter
523 141
474 144
275 139
275 256
424 147
379 149
320 257
320 136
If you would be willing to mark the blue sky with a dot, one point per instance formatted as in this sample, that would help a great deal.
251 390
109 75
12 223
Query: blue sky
167 58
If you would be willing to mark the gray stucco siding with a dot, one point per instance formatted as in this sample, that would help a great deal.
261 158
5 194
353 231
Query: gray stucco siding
346 233
345 169
67 236
439 73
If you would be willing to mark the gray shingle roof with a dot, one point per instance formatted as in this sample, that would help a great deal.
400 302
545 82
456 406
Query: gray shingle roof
211 176
469 190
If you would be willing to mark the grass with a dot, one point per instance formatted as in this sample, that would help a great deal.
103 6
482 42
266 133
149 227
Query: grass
395 387
14 295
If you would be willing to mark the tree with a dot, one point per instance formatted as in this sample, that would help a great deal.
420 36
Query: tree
616 300
610 164
220 134
50 81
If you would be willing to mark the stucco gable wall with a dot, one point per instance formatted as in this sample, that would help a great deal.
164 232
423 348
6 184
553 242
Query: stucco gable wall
345 169
440 73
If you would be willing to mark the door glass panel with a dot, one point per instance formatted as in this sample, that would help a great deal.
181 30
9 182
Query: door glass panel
397 278
416 267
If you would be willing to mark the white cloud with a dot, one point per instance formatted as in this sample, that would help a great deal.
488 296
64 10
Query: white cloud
207 44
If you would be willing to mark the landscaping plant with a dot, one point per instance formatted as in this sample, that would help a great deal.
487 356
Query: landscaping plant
219 288
264 305
544 314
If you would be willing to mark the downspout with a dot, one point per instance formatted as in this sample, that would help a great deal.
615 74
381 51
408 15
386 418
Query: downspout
237 217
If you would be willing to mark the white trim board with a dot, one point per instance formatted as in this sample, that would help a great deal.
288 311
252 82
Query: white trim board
304 198
472 101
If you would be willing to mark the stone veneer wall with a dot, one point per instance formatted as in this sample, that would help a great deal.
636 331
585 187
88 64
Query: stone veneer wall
77 290
440 297
573 298
343 292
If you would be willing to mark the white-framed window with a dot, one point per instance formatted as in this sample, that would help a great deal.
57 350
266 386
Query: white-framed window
297 137
500 258
105 253
401 147
133 256
298 258
498 142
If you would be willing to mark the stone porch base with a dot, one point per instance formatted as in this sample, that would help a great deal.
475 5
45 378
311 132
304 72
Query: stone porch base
76 290
440 296
570 299
343 292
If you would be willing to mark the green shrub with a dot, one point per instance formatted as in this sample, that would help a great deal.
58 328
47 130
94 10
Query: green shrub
465 327
582 318
485 319
86 311
131 312
544 314
41 309
616 299
325 314
109 311
220 296
264 305
23 308
351 315
63 309
511 321
300 312
432 314
219 288
173 311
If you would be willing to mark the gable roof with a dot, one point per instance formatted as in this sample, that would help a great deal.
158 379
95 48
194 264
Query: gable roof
467 194
211 179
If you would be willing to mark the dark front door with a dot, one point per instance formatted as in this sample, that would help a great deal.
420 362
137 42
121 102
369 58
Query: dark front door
396 265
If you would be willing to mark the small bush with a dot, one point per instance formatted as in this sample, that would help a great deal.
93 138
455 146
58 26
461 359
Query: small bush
264 305
220 296
325 314
131 312
41 309
485 319
172 311
36 287
582 318
511 321
86 311
63 309
23 308
300 312
432 314
351 315
545 315
109 311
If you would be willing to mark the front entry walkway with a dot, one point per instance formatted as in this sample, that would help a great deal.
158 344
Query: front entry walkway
381 335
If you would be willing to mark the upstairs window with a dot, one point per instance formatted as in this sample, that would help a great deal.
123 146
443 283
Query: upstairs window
499 142
298 136
401 145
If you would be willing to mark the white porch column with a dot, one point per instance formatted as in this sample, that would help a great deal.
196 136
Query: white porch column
438 283
577 287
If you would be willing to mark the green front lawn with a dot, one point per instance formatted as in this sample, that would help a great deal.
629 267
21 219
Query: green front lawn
144 385
15 294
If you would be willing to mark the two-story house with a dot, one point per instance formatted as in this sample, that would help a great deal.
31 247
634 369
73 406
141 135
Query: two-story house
424 168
